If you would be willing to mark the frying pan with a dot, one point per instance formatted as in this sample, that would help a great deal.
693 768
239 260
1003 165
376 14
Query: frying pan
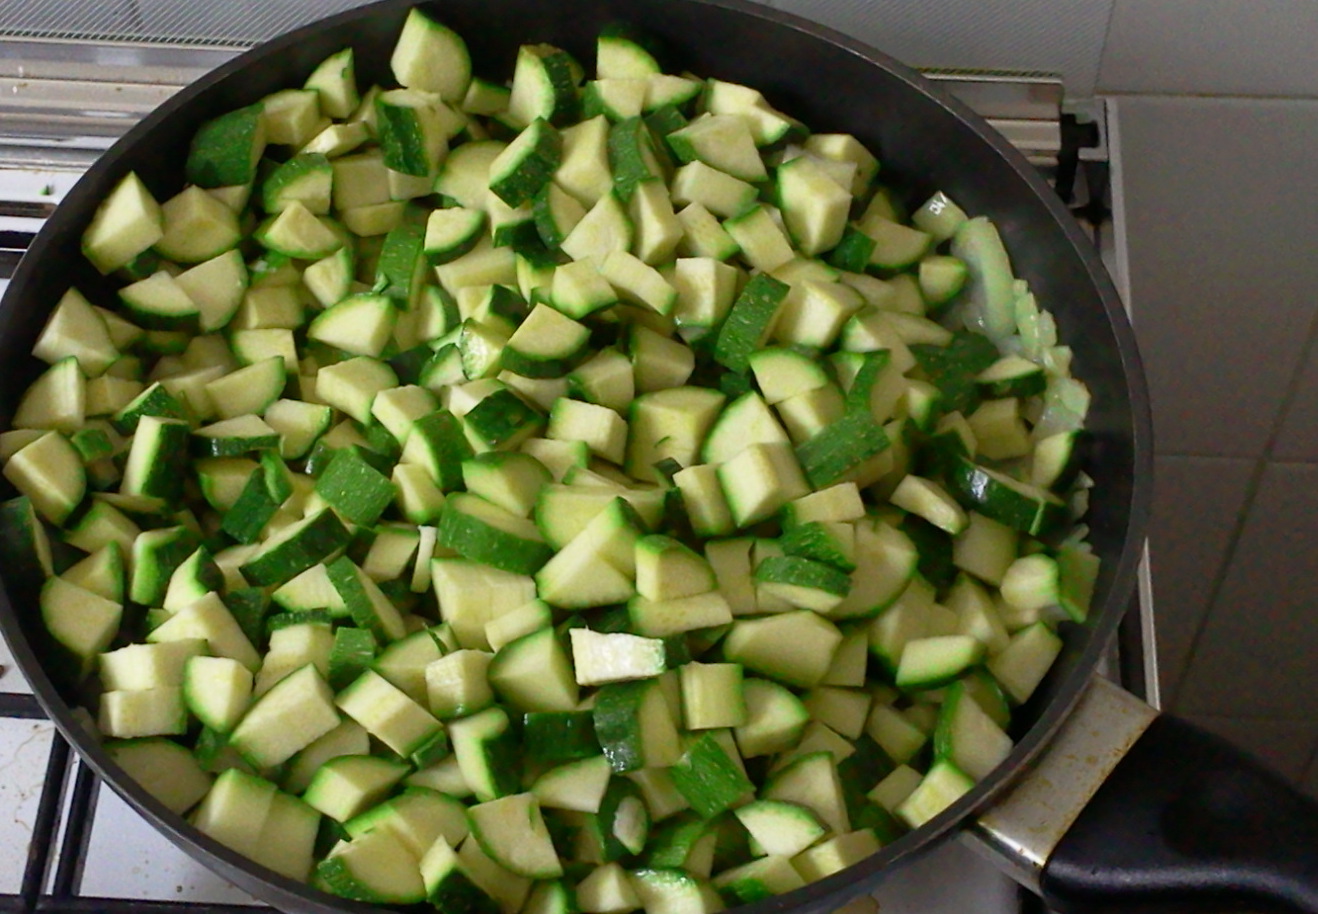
1102 804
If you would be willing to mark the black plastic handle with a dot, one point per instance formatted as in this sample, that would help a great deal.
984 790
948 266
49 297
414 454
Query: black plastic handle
1188 822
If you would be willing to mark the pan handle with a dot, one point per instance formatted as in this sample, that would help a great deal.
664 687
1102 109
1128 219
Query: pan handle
1133 811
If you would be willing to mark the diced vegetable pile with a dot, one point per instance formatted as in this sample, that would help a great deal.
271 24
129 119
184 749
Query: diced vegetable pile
582 494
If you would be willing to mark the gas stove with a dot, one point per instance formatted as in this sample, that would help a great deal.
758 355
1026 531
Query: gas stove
67 844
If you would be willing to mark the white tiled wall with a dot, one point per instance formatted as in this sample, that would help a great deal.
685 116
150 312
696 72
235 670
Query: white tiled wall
1220 261
1255 657
1212 47
1216 168
1062 37
1297 438
1197 502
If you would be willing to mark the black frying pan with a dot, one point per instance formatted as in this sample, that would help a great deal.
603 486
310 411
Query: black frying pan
1209 826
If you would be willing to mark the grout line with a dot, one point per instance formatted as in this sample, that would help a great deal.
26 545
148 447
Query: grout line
1206 95
1262 462
1247 458
1219 577
1241 458
1102 53
1308 767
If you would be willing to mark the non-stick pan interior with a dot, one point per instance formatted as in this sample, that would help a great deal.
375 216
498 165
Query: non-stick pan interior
924 141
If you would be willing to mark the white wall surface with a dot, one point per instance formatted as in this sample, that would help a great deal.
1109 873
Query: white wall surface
1194 47
1061 37
1212 47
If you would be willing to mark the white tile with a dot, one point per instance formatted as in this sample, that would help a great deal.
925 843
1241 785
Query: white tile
1297 438
1197 502
1063 37
1212 47
24 752
1255 658
1220 262
1310 783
